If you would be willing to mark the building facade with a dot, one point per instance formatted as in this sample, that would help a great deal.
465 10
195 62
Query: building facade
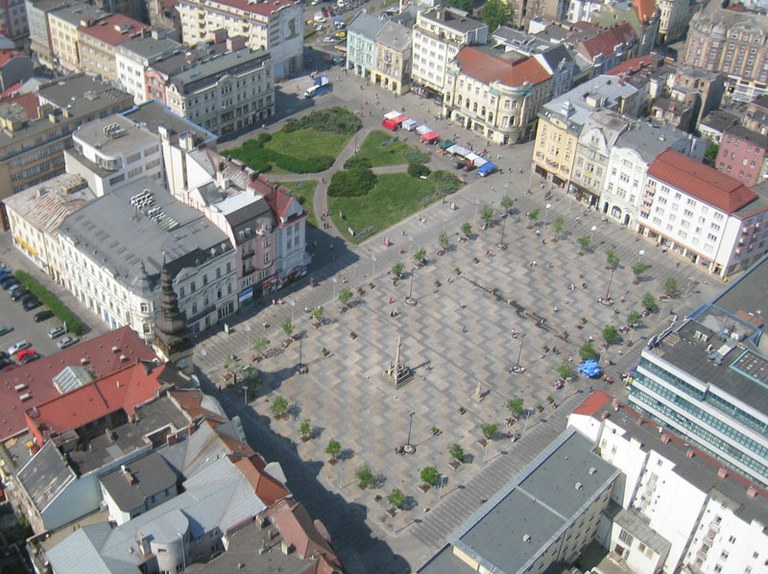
113 152
392 68
742 155
227 93
97 43
674 16
113 252
722 40
438 36
277 27
31 148
722 225
361 44
132 58
63 25
495 97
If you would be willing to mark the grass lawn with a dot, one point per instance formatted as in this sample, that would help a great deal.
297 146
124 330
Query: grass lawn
307 142
304 191
390 153
395 197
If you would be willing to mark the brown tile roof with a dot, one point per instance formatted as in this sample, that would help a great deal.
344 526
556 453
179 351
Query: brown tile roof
297 528
701 181
191 403
279 201
36 377
267 488
634 65
645 9
114 29
605 42
593 403
488 68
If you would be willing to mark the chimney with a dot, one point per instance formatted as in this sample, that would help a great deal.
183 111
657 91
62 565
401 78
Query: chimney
752 491
690 453
665 438
722 472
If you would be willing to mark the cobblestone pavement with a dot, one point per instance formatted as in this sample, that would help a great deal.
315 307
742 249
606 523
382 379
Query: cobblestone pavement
464 333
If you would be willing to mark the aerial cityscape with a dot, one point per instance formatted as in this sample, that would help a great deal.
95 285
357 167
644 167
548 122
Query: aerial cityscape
310 286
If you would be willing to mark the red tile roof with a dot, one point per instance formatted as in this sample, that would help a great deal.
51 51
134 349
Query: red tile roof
605 42
122 390
35 379
645 9
488 68
593 403
8 55
279 201
267 488
297 528
261 8
114 29
634 65
29 101
191 402
701 181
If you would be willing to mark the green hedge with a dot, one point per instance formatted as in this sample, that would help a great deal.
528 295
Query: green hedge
354 181
256 156
74 324
335 120
416 169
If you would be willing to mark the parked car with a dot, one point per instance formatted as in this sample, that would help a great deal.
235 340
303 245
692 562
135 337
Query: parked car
25 352
31 303
67 341
18 293
4 362
30 358
18 346
8 282
5 329
56 332
329 40
43 315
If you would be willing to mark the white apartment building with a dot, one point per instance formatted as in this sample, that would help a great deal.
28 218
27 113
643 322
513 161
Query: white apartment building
114 248
630 157
133 57
34 216
438 35
675 509
276 26
707 217
582 10
112 152
225 93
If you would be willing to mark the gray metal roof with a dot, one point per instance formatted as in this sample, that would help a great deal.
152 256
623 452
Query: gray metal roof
78 90
79 13
126 136
452 18
209 70
150 48
153 115
576 105
519 523
365 25
395 36
555 55
131 245
45 476
132 486
752 137
649 140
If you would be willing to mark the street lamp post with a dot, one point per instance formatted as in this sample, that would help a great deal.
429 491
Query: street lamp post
408 447
591 231
248 330
409 300
183 553
517 368
334 281
373 266
477 206
501 245
293 308
610 280
546 213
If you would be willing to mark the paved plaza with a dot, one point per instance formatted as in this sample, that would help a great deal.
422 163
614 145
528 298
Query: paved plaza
458 341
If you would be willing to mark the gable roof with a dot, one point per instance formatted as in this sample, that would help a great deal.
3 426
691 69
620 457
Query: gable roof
266 487
488 68
645 9
701 181
605 42
297 528
103 355
132 485
121 390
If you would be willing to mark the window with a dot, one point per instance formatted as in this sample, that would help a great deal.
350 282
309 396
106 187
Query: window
626 537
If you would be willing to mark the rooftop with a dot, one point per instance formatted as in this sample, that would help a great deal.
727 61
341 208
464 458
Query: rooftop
602 91
513 528
699 469
260 8
132 485
80 94
130 244
31 384
78 13
606 42
115 135
209 70
489 68
395 36
649 140
701 181
365 25
452 18
114 29
45 205
153 115
149 47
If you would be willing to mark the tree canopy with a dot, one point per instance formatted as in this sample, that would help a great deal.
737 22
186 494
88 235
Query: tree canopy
496 13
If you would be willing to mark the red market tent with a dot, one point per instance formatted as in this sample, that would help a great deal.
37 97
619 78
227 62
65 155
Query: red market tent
390 125
430 137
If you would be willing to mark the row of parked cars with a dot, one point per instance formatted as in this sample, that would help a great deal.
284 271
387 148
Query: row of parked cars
22 352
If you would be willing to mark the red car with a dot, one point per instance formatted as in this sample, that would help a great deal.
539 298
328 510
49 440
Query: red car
23 353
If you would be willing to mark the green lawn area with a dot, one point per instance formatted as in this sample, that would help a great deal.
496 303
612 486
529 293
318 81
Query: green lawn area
396 153
305 143
394 197
304 191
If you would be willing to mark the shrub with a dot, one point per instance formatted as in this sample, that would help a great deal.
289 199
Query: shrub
396 498
416 169
333 449
587 352
279 407
429 475
355 181
611 334
364 477
489 430
335 120
62 312
457 452
515 406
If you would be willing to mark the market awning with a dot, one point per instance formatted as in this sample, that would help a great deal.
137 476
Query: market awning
392 115
430 137
459 150
486 168
476 159
445 144
423 129
410 125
